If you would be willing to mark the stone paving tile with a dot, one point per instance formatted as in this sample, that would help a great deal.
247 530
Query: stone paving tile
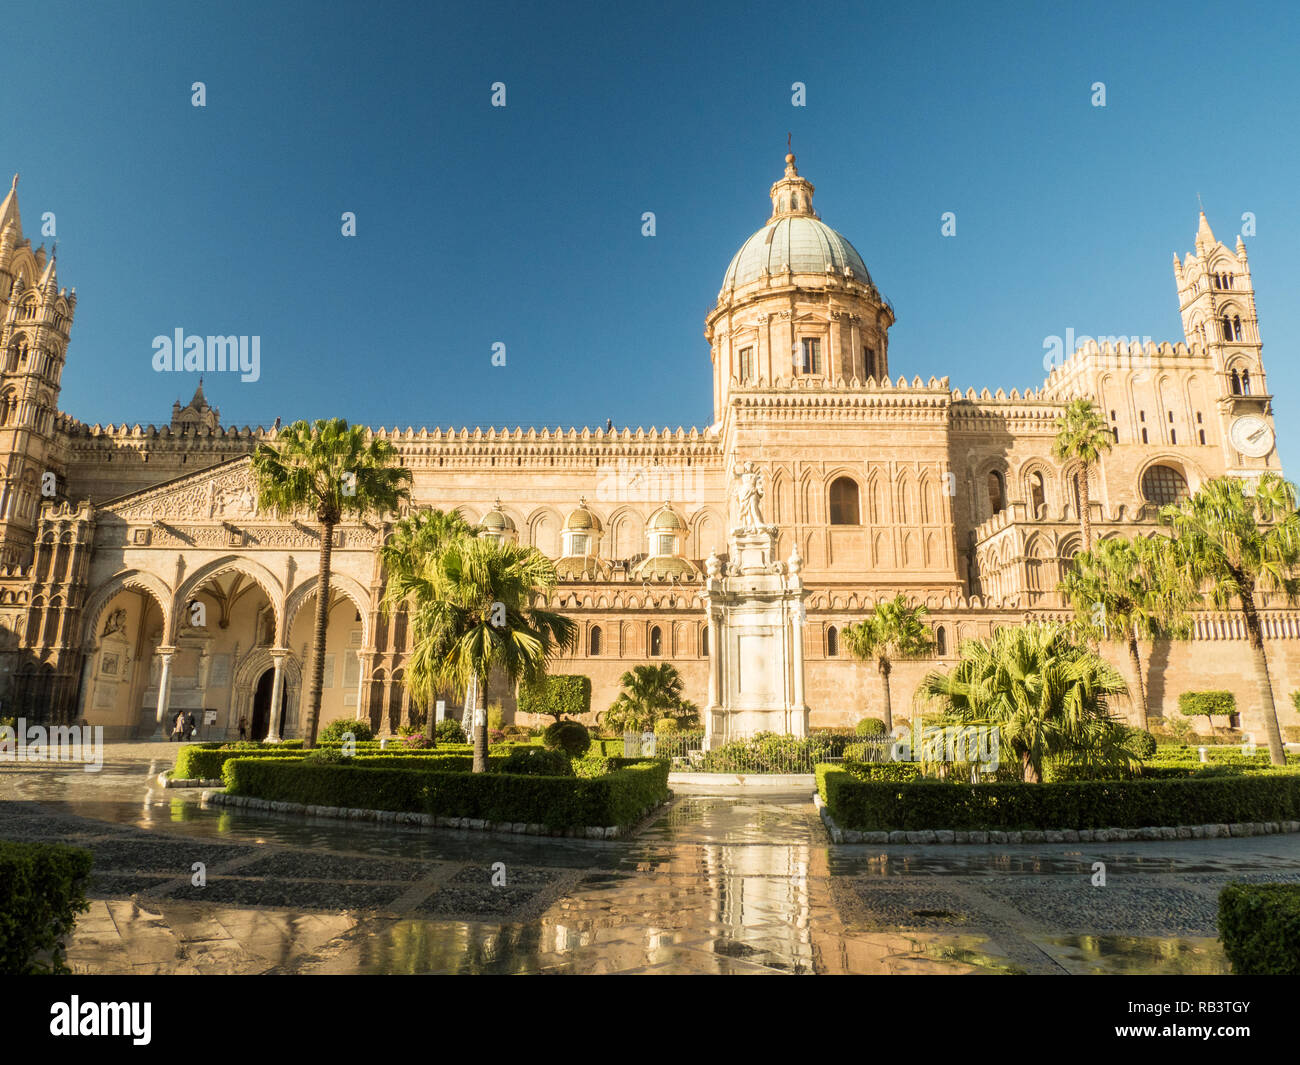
152 855
297 865
327 895
1137 910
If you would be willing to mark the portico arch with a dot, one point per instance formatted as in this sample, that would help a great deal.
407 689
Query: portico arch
254 571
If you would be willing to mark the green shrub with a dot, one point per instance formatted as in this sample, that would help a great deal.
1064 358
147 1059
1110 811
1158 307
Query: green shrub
448 730
536 762
872 806
665 725
1142 743
571 737
42 889
335 731
870 726
1259 925
559 695
1209 704
617 798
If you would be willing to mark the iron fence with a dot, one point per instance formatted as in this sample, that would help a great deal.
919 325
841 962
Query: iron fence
764 753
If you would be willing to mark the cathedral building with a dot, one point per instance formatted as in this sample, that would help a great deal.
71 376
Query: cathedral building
139 578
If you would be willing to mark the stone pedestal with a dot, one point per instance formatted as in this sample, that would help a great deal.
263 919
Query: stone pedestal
755 613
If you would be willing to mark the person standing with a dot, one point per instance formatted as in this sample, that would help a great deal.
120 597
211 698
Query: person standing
243 727
178 728
194 726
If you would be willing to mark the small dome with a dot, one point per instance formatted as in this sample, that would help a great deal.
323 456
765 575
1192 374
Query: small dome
665 567
582 567
582 519
497 521
667 520
805 244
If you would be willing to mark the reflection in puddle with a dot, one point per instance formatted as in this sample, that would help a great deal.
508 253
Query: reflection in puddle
1138 954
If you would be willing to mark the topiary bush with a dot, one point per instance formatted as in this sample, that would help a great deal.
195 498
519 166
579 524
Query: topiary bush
571 737
42 889
448 730
1210 704
559 695
536 762
1259 925
870 726
664 726
335 731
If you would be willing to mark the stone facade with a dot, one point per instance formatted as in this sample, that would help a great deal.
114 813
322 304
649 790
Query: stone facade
137 571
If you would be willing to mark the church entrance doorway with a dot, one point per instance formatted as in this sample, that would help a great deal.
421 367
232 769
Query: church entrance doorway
262 705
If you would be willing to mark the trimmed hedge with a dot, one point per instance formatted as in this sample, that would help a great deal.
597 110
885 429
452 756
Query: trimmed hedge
197 762
1259 925
618 798
879 806
42 889
559 695
571 737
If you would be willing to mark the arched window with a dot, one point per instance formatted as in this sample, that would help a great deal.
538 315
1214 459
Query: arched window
1245 382
940 641
704 641
1236 327
997 494
1236 383
1037 495
832 642
844 501
1226 325
1163 484
656 642
594 640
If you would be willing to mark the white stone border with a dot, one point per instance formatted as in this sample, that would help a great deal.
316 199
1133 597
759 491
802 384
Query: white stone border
399 817
166 780
1063 835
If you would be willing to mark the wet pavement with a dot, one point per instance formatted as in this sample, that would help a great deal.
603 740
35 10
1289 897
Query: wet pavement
736 883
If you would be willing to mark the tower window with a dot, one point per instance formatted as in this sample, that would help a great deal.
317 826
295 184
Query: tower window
1142 415
1173 436
1201 434
844 501
704 641
997 495
1236 327
832 642
1198 417
1144 436
594 641
869 361
656 642
746 364
1037 497
1171 416
1245 382
810 355
579 544
940 641
1236 383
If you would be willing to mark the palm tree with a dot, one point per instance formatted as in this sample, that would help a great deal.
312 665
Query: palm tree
331 469
1081 435
407 555
1047 696
473 616
1235 544
894 630
1128 590
649 693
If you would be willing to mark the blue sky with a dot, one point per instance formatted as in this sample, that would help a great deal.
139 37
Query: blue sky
522 225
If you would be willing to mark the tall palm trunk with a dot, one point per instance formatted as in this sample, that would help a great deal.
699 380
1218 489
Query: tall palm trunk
318 639
480 731
1137 669
1255 634
1085 507
884 683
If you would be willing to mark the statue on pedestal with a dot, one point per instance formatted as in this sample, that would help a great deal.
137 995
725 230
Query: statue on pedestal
749 497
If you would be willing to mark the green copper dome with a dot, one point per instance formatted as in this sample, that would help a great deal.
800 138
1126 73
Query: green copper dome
805 244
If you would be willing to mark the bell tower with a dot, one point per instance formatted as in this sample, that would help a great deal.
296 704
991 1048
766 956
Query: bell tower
1217 302
35 322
